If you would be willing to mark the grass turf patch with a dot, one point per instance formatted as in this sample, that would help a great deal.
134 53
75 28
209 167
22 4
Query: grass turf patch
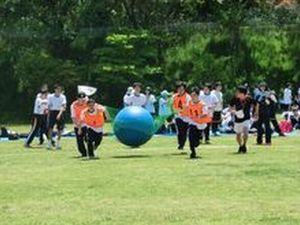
154 184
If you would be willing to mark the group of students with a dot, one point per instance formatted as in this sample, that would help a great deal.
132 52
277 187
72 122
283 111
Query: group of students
49 110
88 119
195 114
196 111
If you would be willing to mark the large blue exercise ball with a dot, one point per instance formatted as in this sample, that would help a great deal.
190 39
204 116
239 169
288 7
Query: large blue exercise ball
133 126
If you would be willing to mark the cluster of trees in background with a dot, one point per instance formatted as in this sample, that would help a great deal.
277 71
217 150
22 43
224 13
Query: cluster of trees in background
111 43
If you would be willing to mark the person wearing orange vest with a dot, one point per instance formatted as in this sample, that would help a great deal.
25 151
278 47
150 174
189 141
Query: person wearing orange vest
94 117
199 119
180 102
77 107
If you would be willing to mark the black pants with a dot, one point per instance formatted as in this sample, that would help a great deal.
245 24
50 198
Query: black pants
182 128
93 141
80 138
263 124
276 125
37 122
217 117
194 138
207 131
43 128
285 107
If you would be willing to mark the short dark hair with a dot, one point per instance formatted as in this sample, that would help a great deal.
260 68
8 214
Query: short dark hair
57 86
208 85
218 84
91 100
137 84
81 95
195 89
181 84
242 89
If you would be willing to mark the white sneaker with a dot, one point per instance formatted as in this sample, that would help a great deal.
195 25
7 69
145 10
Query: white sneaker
58 147
49 147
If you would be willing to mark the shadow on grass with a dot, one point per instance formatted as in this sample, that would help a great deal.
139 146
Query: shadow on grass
130 156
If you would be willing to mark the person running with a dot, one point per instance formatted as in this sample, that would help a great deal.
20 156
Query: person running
211 102
180 102
198 120
241 105
265 105
217 114
93 117
57 107
77 108
136 98
39 113
150 101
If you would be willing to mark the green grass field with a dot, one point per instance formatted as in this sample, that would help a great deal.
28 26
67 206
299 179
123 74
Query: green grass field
151 185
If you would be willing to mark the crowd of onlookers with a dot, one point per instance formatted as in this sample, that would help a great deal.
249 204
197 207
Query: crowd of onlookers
284 110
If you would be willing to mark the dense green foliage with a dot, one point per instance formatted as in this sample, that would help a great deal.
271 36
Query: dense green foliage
151 185
109 44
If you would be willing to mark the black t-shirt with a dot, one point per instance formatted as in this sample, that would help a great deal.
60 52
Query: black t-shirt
244 105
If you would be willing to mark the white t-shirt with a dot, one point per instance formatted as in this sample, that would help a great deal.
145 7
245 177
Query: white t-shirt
287 96
210 101
125 99
150 100
56 102
219 96
136 100
40 106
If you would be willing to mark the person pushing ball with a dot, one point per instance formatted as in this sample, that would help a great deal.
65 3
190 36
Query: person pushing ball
93 117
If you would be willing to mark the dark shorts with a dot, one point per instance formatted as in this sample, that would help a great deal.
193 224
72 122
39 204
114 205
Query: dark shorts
217 117
52 121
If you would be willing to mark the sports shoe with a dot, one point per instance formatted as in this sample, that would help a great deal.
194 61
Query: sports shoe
244 149
207 142
180 148
193 156
27 145
240 150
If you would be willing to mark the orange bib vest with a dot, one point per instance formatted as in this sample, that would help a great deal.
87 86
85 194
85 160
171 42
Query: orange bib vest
78 109
95 120
180 104
195 111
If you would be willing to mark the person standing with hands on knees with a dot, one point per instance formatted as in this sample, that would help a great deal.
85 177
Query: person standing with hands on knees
181 101
93 117
241 105
198 120
57 107
77 107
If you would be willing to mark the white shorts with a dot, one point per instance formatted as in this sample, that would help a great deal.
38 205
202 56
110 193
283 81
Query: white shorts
242 127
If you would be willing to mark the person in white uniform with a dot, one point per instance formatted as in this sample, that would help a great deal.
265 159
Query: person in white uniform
57 107
150 101
39 112
287 97
136 98
211 102
217 114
